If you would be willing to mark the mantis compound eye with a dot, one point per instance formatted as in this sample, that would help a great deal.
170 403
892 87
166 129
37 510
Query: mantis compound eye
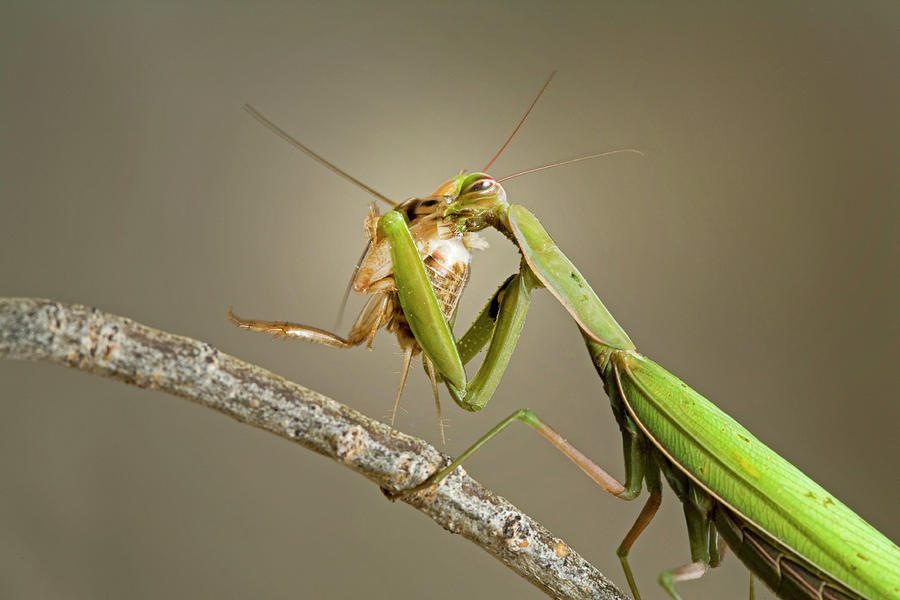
480 185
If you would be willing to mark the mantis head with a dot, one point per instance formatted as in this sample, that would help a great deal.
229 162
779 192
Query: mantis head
477 201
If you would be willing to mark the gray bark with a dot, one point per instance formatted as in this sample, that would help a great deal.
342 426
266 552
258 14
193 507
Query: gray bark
87 339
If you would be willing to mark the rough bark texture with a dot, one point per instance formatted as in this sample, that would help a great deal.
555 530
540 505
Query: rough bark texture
108 345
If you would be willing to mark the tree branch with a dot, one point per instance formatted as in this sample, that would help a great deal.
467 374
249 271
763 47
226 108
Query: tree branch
111 346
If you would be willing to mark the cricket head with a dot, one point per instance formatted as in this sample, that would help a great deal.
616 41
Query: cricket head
477 200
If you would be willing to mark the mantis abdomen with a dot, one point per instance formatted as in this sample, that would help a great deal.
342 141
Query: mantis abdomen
792 533
783 571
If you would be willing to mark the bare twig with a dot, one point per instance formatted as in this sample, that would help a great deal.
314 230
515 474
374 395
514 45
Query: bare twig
117 347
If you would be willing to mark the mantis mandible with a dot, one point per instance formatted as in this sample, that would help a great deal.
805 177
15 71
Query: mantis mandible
791 533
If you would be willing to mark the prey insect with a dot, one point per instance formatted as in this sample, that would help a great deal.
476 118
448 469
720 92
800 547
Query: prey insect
736 492
442 253
440 263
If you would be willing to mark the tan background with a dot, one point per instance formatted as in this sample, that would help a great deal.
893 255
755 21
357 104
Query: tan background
753 251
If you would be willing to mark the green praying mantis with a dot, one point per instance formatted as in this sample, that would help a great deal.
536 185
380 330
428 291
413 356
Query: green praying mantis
791 533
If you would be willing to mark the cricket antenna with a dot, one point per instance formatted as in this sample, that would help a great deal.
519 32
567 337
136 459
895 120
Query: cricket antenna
346 296
309 152
569 162
527 112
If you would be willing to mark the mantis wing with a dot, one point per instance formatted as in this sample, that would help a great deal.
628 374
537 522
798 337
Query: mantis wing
728 461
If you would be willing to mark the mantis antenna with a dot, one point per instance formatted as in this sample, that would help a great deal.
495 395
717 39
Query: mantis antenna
525 116
551 165
569 162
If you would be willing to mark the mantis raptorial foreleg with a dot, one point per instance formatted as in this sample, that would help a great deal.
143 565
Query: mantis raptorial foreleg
499 325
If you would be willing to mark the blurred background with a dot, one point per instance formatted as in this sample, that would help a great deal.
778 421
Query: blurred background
753 251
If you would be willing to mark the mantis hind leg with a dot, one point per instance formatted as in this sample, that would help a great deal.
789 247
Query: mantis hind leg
640 465
694 570
707 548
707 551
654 486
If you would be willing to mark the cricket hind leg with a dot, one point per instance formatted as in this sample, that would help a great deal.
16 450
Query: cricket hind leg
380 310
432 375
374 315
407 359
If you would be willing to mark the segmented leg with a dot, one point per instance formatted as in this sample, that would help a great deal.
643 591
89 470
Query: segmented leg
640 524
429 367
589 467
367 324
705 543
378 312
694 570
407 358
287 329
641 466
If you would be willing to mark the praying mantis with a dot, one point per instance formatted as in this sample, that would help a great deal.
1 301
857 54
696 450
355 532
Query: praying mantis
736 492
